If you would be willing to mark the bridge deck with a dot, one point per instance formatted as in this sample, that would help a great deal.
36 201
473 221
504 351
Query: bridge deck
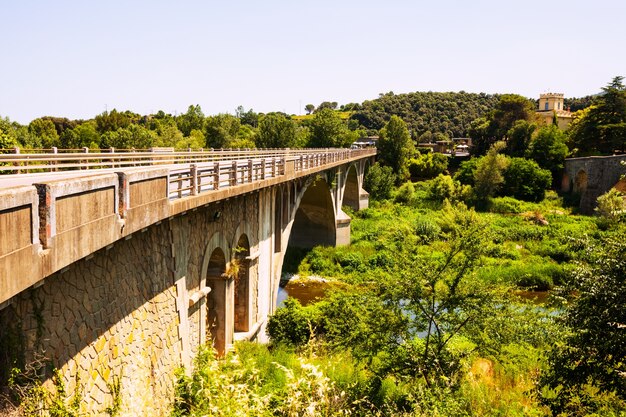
51 219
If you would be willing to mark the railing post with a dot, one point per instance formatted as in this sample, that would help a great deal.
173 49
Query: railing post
250 170
85 150
194 179
233 179
112 150
16 150
273 167
263 168
54 161
216 173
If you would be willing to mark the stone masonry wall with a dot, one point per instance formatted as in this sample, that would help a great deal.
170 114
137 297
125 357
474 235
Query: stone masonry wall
115 314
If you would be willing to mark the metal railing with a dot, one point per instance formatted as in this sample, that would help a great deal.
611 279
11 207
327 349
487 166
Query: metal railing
17 161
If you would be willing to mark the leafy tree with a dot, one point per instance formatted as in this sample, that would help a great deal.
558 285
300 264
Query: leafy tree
221 131
249 117
488 176
395 146
112 121
8 138
84 135
601 128
525 180
132 137
495 126
327 105
379 181
45 131
276 131
328 130
467 170
519 137
192 119
195 140
548 148
309 108
586 371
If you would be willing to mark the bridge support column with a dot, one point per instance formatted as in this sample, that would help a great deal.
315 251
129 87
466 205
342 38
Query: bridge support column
221 313
343 229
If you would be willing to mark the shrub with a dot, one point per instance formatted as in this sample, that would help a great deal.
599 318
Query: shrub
611 208
505 205
291 324
405 193
428 165
525 180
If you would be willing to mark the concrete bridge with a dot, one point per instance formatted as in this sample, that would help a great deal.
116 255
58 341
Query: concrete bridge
120 274
592 176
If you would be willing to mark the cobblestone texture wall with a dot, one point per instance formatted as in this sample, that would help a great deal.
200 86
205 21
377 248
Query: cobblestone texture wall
116 315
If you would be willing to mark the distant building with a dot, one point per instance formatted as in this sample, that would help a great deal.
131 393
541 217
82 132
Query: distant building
366 142
551 104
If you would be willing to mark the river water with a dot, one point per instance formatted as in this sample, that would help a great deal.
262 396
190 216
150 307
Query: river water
309 291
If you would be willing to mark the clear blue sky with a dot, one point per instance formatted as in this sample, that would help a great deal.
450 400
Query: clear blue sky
78 58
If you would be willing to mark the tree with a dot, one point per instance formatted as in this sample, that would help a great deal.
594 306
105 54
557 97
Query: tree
587 370
489 173
275 131
84 135
309 108
548 149
249 117
496 125
8 138
111 121
221 131
395 146
192 119
132 137
601 128
378 181
328 130
525 180
46 133
519 137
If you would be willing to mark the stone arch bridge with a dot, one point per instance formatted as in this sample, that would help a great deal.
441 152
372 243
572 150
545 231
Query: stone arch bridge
592 176
124 272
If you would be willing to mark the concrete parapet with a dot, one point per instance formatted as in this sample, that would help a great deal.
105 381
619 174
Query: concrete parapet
19 242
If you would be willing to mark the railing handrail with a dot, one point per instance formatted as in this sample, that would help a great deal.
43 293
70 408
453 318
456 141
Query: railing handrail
59 160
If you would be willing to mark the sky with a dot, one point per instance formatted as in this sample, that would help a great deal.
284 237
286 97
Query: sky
77 59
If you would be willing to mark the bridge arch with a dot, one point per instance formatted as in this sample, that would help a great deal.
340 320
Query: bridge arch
314 218
581 181
219 315
240 264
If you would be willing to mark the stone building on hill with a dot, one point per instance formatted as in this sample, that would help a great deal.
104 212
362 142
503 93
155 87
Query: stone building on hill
551 104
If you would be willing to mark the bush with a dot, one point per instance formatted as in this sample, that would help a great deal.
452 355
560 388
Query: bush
505 205
379 182
611 208
428 165
405 193
291 324
525 180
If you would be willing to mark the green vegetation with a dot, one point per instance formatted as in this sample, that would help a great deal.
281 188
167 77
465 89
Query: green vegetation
427 320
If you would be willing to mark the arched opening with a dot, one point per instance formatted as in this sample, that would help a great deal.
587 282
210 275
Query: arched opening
580 182
314 222
241 272
351 191
220 315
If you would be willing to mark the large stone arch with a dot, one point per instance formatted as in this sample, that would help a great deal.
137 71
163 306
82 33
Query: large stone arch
219 314
314 219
